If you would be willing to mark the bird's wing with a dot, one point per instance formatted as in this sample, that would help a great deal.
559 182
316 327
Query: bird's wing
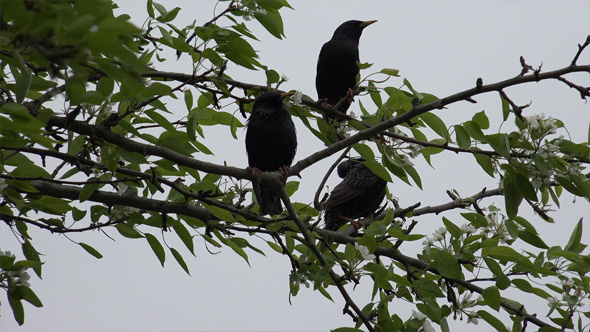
355 183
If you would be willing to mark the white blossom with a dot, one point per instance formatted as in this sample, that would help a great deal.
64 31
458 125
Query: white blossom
467 228
7 253
297 98
439 234
552 301
93 28
3 184
364 252
473 320
407 161
566 282
418 314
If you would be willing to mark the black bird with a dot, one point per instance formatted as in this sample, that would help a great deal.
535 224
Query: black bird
337 67
271 143
358 195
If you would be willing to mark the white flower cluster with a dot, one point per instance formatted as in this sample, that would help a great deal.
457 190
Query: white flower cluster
496 227
437 236
540 125
16 277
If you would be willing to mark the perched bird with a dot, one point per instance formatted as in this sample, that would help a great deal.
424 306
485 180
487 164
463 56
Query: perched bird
271 143
358 195
337 67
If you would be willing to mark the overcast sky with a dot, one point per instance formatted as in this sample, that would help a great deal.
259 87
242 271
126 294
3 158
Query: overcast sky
440 47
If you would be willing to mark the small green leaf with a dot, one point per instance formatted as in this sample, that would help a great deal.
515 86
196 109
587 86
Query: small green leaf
492 320
378 169
17 308
505 108
188 99
436 124
156 247
364 150
185 236
390 72
447 264
220 213
462 136
28 295
90 250
500 143
482 120
485 162
180 260
453 229
525 187
349 252
575 239
23 83
128 231
491 296
504 253
532 239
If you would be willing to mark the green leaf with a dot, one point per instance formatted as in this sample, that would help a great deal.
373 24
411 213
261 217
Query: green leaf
512 196
188 99
180 260
161 120
504 253
505 108
272 22
500 143
436 124
462 136
347 329
492 320
453 229
28 295
17 308
220 213
491 296
185 236
375 95
128 231
156 247
525 187
90 250
364 150
485 162
291 187
447 264
349 252
482 120
574 243
390 72
476 219
414 92
378 169
532 239
23 83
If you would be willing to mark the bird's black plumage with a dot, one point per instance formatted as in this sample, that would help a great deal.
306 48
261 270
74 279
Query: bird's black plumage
337 67
358 195
271 143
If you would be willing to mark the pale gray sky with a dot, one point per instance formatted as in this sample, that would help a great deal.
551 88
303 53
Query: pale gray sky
441 47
